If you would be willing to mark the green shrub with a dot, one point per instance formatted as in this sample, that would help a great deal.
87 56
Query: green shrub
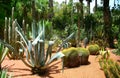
93 49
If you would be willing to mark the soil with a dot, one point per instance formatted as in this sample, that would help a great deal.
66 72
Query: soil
18 70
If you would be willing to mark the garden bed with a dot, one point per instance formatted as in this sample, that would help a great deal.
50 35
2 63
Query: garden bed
92 70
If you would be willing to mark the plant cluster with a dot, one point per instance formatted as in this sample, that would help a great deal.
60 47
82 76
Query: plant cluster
110 68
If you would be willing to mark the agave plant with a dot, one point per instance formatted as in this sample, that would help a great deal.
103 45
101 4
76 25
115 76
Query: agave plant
36 57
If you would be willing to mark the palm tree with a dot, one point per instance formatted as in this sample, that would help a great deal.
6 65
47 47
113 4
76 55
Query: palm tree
88 4
107 23
80 19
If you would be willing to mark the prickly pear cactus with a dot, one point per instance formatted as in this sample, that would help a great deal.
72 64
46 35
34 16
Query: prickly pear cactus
94 49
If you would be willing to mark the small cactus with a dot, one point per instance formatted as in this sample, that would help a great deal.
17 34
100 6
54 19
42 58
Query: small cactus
71 58
94 49
75 57
84 55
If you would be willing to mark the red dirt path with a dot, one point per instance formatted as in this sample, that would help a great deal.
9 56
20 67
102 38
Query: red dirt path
92 70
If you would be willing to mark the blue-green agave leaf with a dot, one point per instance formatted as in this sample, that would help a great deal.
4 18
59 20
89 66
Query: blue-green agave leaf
49 50
64 41
56 56
37 39
22 36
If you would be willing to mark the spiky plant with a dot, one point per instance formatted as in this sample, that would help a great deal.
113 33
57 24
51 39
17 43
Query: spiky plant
36 57
3 52
94 49
11 37
75 57
3 74
71 58
84 55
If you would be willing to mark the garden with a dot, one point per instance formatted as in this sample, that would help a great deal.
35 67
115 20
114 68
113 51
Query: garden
49 39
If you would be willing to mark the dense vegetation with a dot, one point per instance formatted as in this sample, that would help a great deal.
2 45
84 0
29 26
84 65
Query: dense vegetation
30 24
101 25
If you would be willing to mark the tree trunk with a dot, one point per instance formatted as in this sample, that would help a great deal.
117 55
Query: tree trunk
107 23
88 5
51 13
80 20
33 9
95 6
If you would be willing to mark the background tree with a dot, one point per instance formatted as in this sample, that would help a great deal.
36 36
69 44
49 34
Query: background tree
107 22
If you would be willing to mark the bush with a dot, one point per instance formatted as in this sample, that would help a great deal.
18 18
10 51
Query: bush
94 49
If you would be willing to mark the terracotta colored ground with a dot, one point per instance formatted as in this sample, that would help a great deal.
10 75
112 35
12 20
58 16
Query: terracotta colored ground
92 70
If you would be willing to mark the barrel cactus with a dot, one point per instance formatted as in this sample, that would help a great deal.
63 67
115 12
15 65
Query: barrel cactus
75 57
94 49
71 58
84 55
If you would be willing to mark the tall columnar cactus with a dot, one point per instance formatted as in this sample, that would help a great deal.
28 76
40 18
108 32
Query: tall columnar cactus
11 36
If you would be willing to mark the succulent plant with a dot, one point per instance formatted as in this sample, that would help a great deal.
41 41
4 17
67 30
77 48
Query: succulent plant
84 55
3 74
83 51
11 37
94 49
3 52
75 57
71 58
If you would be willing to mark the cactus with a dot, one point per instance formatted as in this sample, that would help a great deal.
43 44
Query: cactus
11 37
84 55
85 42
110 68
75 57
94 49
71 58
